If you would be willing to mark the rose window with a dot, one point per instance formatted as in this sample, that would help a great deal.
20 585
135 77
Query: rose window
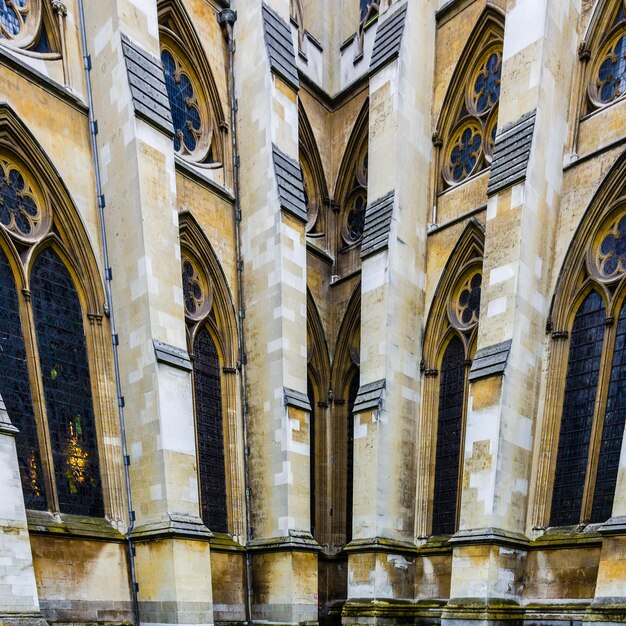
466 307
487 84
611 253
184 106
194 291
355 220
19 211
611 76
13 16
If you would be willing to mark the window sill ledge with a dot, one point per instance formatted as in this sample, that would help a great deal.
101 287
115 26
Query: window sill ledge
72 526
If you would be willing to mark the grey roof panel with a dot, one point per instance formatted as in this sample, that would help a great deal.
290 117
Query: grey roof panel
171 355
280 46
511 153
370 397
147 86
377 225
290 184
296 399
388 39
490 361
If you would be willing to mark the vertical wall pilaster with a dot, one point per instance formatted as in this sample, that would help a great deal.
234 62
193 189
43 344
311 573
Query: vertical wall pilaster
137 159
391 310
490 548
284 559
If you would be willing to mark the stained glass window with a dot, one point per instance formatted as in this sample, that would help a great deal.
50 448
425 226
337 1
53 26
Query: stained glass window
15 390
183 103
352 394
578 408
449 430
613 430
13 16
311 396
210 435
66 385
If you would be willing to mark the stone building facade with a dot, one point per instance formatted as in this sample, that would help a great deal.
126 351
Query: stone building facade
312 311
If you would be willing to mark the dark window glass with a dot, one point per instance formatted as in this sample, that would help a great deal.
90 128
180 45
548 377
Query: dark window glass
352 394
613 430
449 429
11 23
364 6
311 395
185 114
15 390
210 433
578 407
67 389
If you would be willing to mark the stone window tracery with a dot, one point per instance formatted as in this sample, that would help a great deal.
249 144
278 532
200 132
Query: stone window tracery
33 27
204 333
607 81
593 394
44 372
469 145
353 219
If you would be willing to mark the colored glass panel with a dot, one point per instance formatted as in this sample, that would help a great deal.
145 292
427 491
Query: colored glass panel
613 429
581 385
66 385
210 432
464 155
15 390
185 116
612 72
487 84
18 210
449 430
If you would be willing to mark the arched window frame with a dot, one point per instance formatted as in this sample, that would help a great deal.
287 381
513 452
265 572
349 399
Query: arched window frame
178 36
218 317
604 31
351 186
318 371
457 117
441 327
315 187
346 365
61 230
579 277
43 22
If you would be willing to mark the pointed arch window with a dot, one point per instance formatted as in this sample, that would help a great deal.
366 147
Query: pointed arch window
45 381
593 412
207 389
607 70
468 122
31 25
197 116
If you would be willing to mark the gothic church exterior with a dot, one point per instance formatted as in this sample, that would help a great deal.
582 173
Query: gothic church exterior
312 311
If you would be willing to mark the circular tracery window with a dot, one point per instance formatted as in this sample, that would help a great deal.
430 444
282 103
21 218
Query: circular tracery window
13 17
610 74
469 147
193 130
20 203
464 308
356 203
196 291
609 252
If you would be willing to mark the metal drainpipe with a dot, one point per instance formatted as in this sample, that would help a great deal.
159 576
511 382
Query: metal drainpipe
227 19
108 276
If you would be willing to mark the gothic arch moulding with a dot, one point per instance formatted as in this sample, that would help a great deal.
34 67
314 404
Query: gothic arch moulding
48 250
449 345
200 124
212 325
467 125
32 27
315 187
351 186
602 51
591 286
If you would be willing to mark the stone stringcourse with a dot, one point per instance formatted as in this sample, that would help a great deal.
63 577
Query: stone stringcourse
388 40
280 47
147 86
290 184
511 153
377 225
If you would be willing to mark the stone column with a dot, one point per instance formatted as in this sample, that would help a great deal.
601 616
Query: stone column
284 559
19 602
524 187
381 564
137 158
